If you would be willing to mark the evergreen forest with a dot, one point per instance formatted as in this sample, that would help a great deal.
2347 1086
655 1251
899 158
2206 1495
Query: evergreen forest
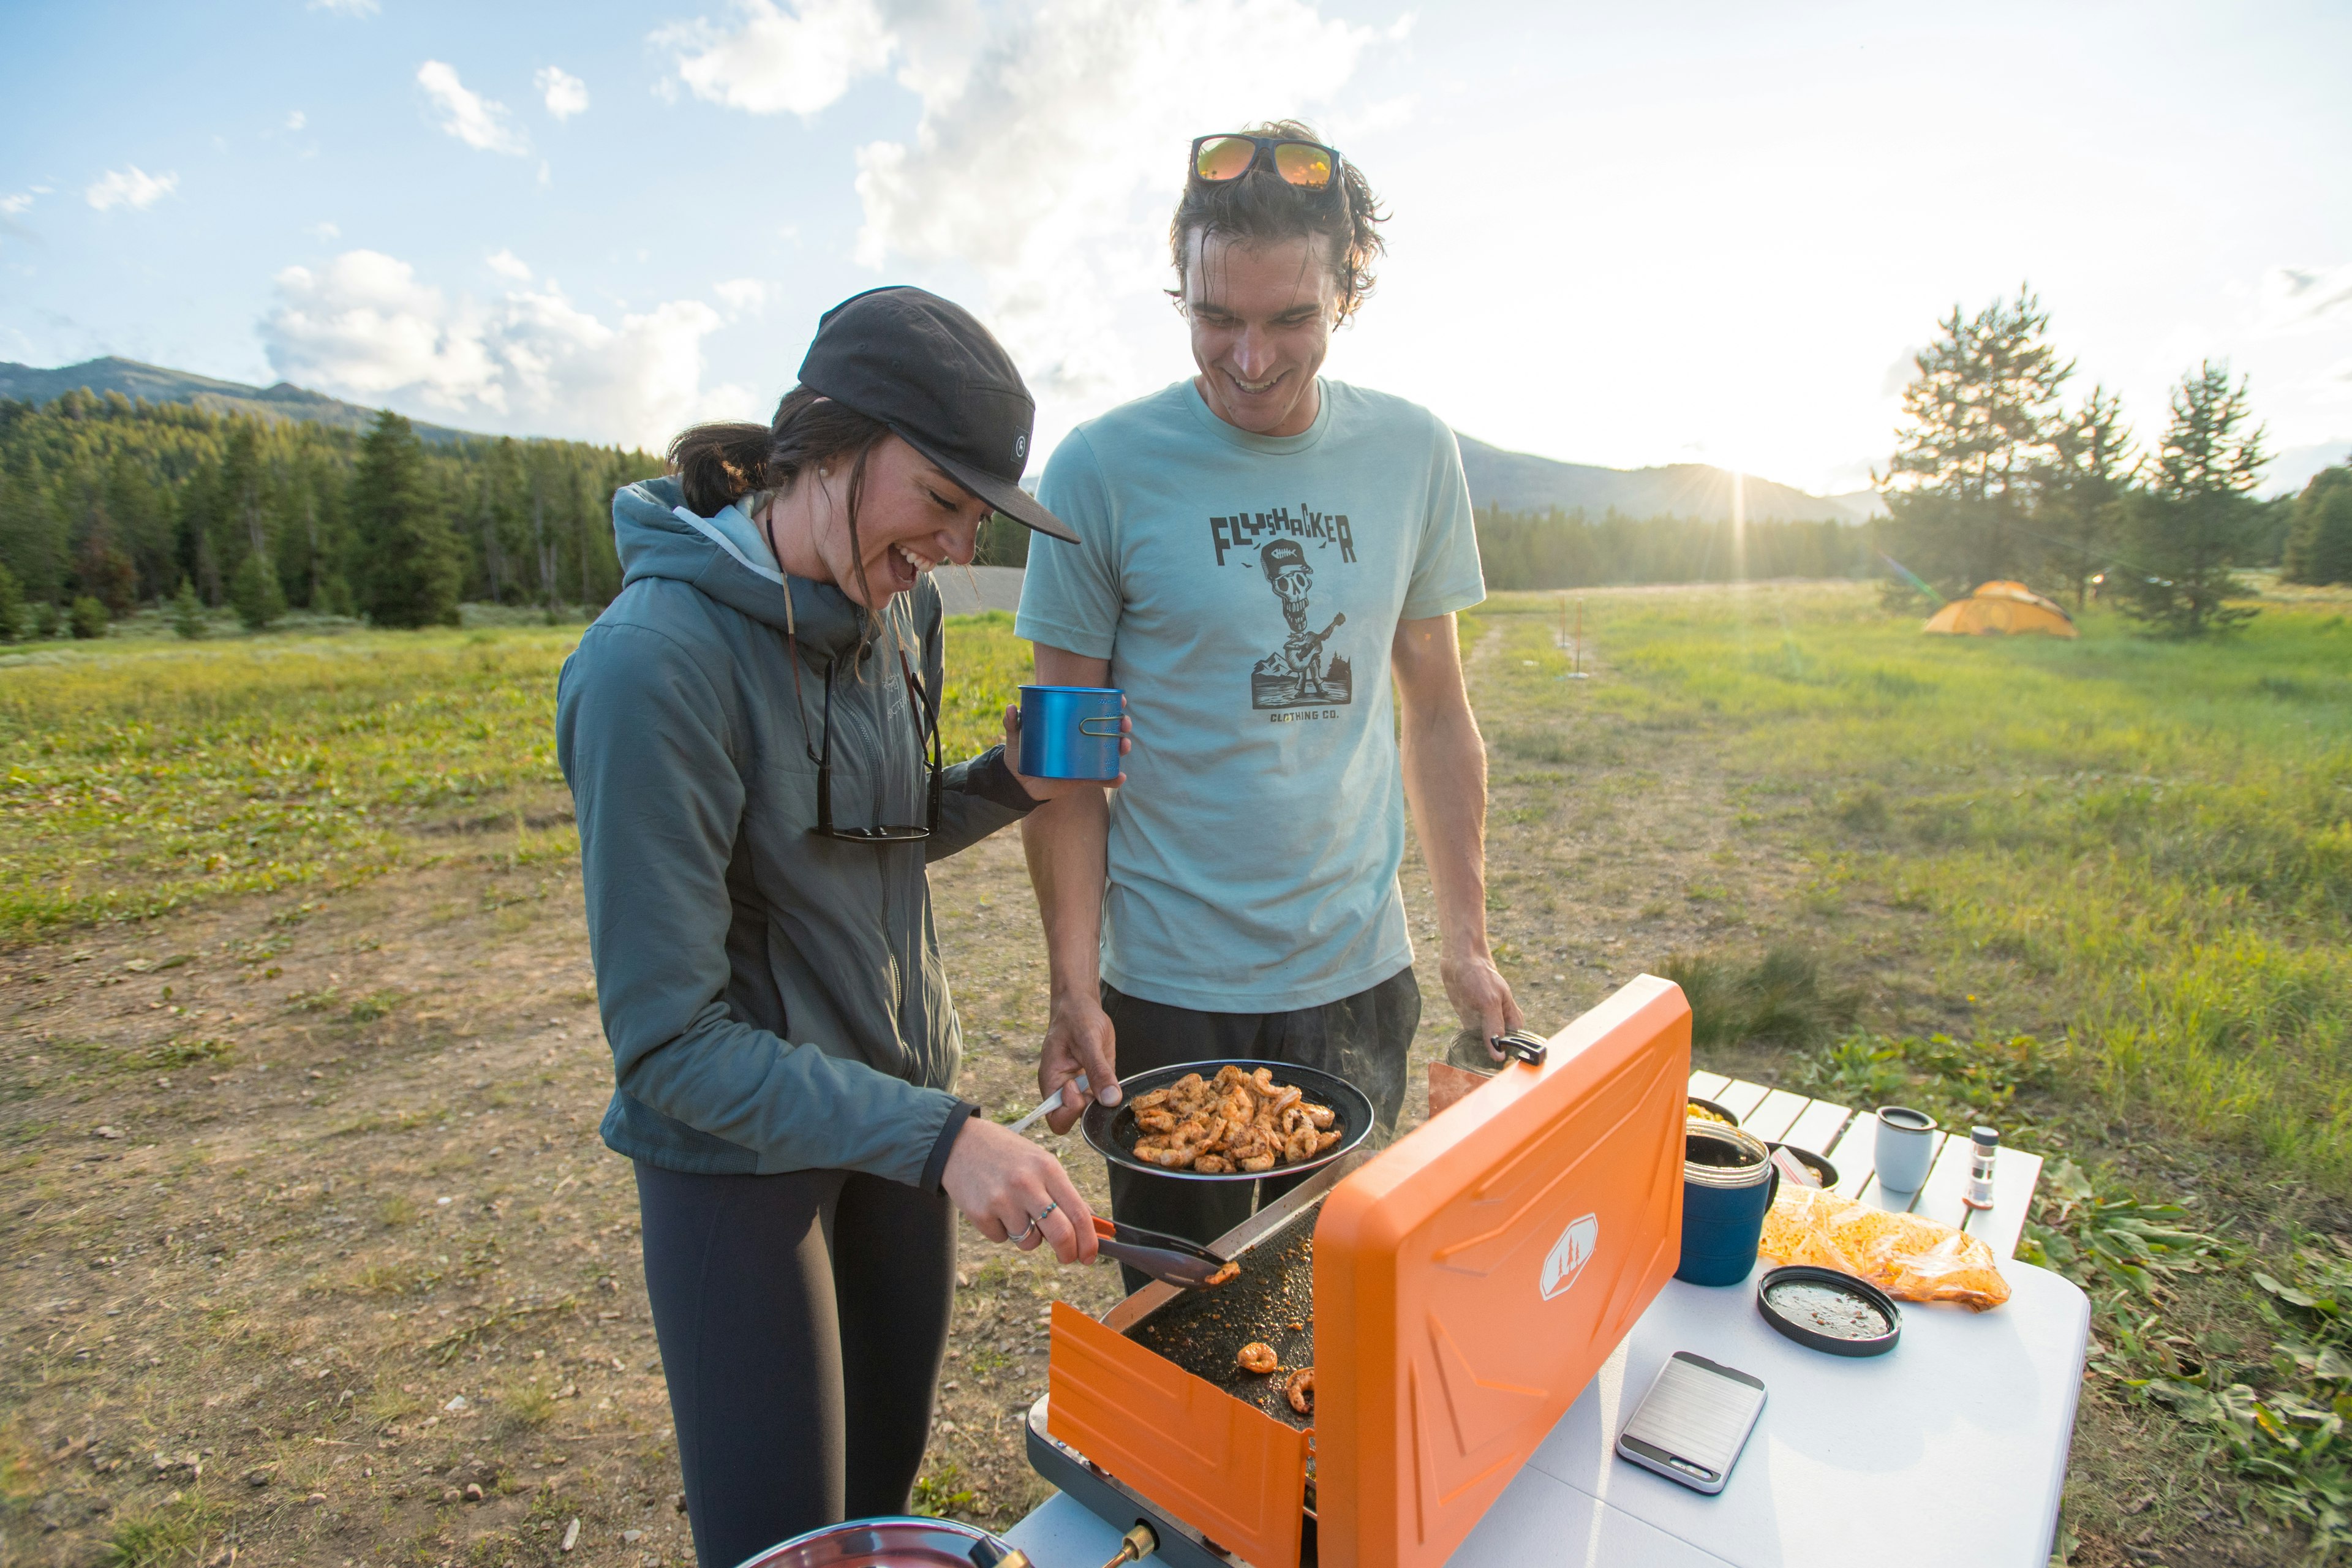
1571 550
108 505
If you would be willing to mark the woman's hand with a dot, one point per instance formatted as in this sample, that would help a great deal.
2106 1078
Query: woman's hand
1043 790
1003 1182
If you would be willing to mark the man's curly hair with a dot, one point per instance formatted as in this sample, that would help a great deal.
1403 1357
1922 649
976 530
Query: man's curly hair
1263 208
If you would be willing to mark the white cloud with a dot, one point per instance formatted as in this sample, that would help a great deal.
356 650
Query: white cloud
507 264
297 119
566 94
324 229
741 295
2292 298
12 205
364 325
130 187
1050 148
773 60
347 7
468 115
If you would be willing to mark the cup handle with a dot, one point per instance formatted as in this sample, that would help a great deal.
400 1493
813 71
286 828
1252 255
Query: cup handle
1086 727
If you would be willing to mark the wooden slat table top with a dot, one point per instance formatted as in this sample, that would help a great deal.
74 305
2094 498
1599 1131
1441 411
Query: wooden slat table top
1850 1142
1771 1119
1819 1126
1741 1099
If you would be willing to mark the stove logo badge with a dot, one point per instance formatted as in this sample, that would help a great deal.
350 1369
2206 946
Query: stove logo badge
1568 1256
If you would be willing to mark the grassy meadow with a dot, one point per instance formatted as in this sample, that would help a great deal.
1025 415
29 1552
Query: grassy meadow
2140 850
2097 892
141 774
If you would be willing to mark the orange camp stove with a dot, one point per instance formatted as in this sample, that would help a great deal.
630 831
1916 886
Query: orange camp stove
1454 1292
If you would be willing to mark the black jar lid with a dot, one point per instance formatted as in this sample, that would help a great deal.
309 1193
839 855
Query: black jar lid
1850 1316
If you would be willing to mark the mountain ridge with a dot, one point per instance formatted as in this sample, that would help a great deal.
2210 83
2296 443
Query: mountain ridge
1521 481
158 383
1515 481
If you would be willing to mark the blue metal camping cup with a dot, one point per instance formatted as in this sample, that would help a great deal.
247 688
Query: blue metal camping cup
1729 1182
1070 731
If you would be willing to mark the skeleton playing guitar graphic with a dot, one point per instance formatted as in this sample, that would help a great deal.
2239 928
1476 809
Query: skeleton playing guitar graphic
1295 676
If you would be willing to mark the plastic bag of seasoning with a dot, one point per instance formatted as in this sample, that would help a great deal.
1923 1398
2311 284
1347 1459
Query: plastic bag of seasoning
1906 1255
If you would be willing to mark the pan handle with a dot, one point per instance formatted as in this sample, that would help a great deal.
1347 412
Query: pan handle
1523 1046
1105 1230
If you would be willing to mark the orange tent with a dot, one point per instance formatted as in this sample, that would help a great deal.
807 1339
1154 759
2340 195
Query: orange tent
1998 608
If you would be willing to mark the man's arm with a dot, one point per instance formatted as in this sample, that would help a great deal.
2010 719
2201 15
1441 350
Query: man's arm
1067 841
1445 785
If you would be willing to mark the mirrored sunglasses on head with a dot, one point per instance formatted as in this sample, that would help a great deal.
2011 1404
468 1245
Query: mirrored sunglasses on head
1220 159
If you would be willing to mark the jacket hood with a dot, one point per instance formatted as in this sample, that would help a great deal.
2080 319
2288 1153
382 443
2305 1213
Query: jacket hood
654 541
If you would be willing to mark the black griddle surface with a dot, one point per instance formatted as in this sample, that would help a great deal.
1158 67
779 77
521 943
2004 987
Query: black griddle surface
1202 1330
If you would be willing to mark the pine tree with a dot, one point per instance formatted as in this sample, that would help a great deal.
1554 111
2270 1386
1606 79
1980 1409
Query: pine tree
88 617
11 607
1980 427
32 534
259 596
2319 541
237 529
102 568
188 612
2080 509
142 521
2188 529
409 570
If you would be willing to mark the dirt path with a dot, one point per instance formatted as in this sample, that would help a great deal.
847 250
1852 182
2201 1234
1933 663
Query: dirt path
314 1254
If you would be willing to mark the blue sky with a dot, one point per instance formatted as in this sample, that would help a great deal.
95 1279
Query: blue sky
1703 232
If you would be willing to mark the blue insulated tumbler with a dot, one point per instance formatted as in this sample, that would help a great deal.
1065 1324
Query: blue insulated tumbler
1728 1180
1070 731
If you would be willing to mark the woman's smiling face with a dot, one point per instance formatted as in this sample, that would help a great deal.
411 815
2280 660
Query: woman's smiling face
911 517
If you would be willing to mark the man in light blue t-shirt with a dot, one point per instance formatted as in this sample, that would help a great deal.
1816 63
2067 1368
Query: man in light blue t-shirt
1262 552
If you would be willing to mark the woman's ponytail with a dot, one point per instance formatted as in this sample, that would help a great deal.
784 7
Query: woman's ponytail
718 462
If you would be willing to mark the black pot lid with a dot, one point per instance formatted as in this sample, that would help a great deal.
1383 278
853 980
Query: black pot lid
1824 1309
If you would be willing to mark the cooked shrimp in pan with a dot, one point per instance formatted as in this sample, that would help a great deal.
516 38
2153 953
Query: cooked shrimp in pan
1235 1121
1258 1357
1301 1390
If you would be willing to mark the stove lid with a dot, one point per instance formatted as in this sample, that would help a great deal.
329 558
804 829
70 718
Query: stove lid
1471 1279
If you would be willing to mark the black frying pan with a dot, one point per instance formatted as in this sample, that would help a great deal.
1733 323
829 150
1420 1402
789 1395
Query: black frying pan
1112 1130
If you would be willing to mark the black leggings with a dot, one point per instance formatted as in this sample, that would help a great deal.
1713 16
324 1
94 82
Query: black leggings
801 1320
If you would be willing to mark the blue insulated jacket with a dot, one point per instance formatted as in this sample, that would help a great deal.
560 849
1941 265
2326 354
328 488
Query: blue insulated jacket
774 998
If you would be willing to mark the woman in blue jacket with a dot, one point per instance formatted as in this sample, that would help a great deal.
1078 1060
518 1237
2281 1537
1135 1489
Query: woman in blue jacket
750 731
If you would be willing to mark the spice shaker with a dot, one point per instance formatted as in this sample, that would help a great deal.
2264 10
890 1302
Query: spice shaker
1984 1143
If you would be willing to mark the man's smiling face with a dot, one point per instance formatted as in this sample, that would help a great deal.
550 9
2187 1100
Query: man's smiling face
1261 318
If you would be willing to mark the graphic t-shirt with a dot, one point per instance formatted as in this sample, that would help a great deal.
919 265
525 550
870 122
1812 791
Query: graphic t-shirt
1247 590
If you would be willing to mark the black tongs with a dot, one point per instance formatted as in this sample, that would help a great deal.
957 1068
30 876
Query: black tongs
1170 1260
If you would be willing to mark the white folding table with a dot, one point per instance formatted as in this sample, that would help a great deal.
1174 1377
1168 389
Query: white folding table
1950 1449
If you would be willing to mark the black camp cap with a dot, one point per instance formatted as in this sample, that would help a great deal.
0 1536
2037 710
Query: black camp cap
943 385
